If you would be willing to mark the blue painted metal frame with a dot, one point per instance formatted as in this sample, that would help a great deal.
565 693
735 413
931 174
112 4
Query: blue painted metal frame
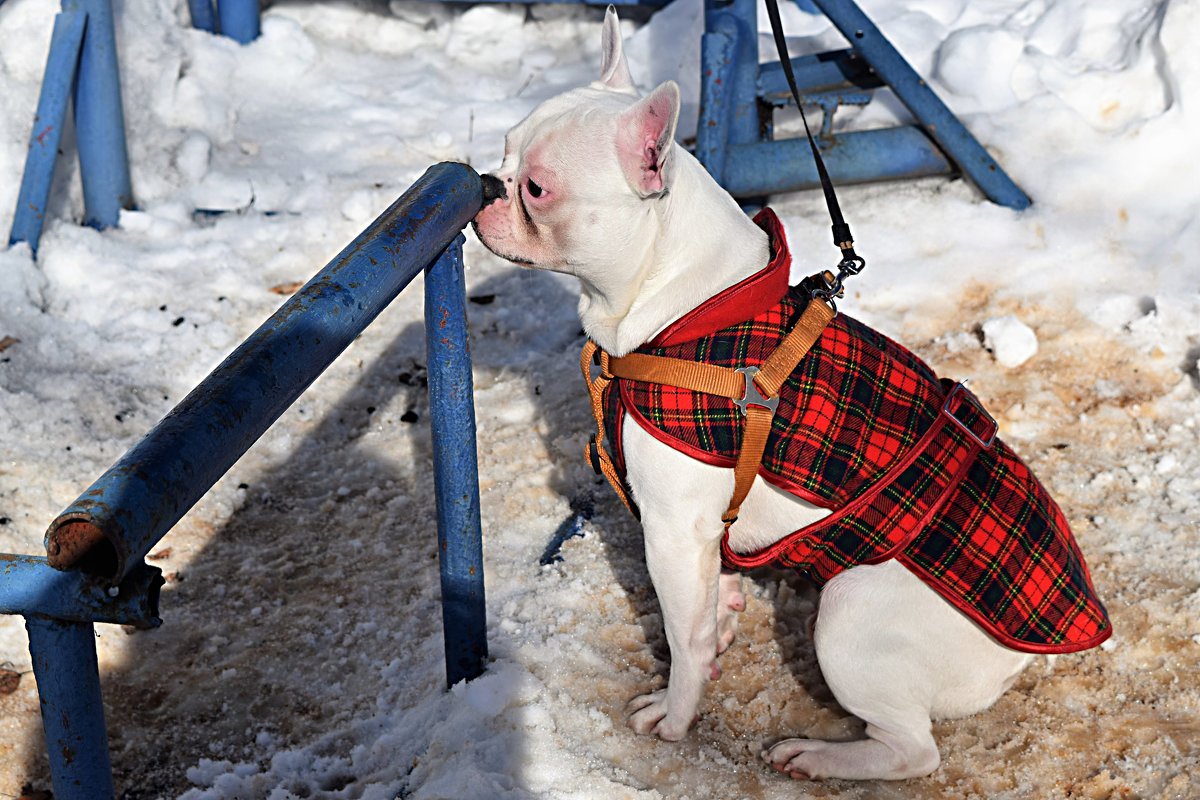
82 62
100 118
60 609
203 16
30 587
112 525
101 538
58 82
734 136
239 19
455 467
937 120
68 680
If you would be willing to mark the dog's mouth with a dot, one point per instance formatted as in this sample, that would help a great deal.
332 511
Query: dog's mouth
524 262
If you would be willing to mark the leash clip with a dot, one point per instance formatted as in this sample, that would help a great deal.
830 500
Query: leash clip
753 396
850 265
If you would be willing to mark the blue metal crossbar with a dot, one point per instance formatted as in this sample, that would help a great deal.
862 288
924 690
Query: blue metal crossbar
82 66
734 138
95 570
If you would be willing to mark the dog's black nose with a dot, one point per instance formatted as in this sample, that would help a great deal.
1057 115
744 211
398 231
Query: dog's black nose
493 189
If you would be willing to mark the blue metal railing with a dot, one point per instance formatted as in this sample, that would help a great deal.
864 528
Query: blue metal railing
95 571
81 66
734 139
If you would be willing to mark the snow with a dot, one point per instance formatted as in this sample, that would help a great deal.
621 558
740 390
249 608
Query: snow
301 651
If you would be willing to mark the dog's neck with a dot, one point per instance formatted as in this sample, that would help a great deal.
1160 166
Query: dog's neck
704 243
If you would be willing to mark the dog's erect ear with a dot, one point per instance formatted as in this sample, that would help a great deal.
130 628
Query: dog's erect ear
645 135
614 70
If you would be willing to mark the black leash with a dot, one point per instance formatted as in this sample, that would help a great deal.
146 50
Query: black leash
851 263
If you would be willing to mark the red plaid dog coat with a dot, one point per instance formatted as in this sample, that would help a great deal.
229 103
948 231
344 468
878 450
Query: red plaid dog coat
908 464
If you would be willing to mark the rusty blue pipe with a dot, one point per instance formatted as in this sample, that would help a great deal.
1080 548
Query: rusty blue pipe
203 15
112 526
100 118
455 467
239 19
30 587
62 63
68 681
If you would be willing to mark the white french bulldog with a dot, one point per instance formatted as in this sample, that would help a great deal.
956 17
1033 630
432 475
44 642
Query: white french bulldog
593 184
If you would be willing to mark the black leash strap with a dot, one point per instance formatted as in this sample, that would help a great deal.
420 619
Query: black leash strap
851 263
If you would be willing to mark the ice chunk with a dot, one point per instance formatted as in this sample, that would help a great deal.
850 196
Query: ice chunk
1011 341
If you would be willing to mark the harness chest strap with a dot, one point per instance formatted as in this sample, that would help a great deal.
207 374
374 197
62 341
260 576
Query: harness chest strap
754 389
595 451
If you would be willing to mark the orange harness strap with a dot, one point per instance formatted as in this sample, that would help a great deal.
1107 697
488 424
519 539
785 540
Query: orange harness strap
595 452
755 390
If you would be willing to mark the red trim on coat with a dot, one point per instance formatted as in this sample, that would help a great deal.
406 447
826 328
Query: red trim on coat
744 300
995 631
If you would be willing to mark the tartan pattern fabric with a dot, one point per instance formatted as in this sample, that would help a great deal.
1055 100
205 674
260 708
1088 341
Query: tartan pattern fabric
860 430
883 519
856 403
1001 546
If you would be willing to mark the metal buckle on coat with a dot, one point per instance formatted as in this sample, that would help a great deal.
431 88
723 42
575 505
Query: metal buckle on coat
985 443
752 395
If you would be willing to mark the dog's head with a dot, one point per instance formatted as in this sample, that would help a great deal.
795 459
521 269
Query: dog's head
580 176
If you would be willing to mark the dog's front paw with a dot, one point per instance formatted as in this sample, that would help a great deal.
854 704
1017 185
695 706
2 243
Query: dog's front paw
649 716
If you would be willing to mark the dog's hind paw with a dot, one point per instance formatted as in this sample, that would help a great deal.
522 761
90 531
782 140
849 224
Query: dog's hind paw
786 756
806 759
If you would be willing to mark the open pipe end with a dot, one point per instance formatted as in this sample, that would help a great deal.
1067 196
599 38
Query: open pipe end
145 584
74 542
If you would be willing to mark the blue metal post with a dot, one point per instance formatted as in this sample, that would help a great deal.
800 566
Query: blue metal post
202 15
456 477
68 680
717 54
239 19
59 79
112 525
745 120
729 67
100 118
912 90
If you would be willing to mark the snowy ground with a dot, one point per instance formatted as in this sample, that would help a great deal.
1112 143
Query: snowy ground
301 651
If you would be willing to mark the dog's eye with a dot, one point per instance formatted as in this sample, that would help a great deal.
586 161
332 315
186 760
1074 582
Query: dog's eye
534 189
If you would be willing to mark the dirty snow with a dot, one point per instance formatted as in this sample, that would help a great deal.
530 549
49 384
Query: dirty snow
301 651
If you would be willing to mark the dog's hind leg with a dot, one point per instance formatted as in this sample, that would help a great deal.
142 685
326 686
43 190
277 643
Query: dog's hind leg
730 603
895 655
